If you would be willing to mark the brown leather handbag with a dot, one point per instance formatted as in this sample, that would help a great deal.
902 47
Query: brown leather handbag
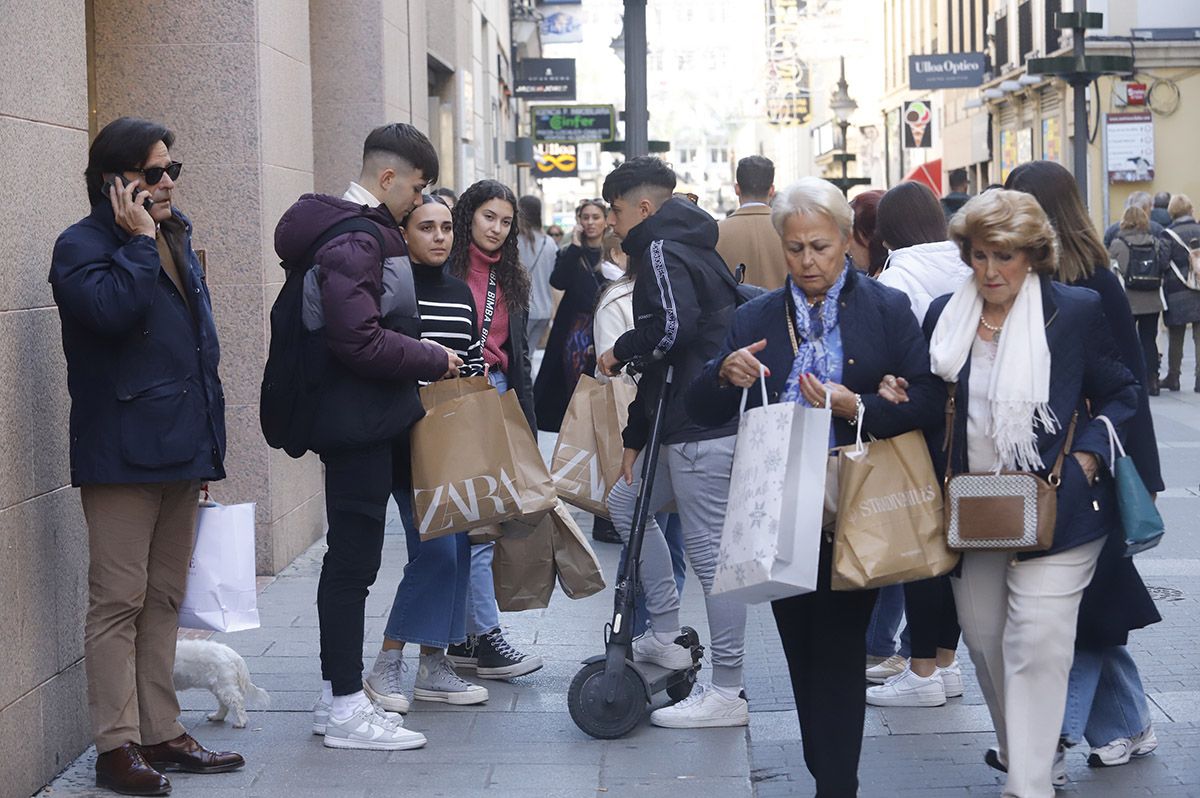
1006 511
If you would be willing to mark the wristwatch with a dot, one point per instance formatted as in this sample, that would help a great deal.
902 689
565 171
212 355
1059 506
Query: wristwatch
858 410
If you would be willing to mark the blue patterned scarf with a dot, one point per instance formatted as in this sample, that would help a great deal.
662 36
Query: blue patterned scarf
812 326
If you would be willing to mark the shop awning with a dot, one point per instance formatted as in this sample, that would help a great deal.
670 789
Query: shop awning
930 174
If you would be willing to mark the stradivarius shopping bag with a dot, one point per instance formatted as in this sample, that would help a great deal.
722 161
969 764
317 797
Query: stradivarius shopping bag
221 594
771 540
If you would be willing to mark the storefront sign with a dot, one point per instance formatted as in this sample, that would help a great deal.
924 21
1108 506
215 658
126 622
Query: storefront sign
562 24
555 160
918 124
1129 147
788 100
545 78
1135 93
945 71
573 124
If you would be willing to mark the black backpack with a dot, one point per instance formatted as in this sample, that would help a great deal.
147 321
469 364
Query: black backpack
1144 271
297 358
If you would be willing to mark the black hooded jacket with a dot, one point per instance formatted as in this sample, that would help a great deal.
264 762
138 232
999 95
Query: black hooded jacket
683 303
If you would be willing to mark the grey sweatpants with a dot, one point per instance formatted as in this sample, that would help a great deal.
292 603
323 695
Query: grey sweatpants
695 475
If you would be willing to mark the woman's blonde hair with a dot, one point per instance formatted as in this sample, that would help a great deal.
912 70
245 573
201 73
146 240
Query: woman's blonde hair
1135 218
811 195
1179 205
1009 221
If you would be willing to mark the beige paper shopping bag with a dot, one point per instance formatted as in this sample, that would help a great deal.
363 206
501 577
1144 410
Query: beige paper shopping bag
576 468
578 569
523 565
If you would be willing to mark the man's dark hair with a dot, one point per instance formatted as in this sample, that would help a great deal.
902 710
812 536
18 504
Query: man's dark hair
645 170
448 193
958 179
1162 199
404 141
755 175
122 145
910 214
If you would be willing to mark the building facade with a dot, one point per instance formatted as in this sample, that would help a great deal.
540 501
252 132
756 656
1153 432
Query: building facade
268 99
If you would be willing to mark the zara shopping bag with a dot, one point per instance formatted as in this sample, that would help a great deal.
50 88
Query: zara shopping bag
1140 519
587 456
771 541
890 522
523 569
575 561
221 593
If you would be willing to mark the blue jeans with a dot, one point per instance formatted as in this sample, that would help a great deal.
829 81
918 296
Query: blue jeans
482 613
431 599
885 621
673 531
1105 698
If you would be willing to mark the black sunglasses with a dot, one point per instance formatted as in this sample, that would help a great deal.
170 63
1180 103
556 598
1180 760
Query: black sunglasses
152 175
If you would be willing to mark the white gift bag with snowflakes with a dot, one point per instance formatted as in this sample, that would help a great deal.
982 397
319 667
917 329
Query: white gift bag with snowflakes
771 541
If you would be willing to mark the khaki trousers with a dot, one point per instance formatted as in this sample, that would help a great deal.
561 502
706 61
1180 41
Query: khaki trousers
1018 618
140 539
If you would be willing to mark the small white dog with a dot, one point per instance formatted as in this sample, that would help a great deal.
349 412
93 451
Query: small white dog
220 670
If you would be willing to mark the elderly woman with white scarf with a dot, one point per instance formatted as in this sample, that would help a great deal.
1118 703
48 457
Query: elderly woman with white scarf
1027 355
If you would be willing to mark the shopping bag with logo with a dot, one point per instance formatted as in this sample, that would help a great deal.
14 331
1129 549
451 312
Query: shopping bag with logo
576 468
771 540
221 594
578 569
435 393
531 479
1140 519
890 524
523 565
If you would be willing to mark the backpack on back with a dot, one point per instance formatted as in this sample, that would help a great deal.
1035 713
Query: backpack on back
297 357
1144 271
1192 278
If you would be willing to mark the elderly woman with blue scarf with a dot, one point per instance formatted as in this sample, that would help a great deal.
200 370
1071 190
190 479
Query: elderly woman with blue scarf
830 328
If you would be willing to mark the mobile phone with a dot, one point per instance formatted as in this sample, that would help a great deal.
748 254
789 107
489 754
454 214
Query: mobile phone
120 183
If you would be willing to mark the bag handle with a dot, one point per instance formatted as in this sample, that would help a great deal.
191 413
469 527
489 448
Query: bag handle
762 383
1055 476
1114 441
1187 283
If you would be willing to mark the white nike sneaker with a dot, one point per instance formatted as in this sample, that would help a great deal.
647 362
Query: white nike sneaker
370 729
671 656
908 690
705 708
952 679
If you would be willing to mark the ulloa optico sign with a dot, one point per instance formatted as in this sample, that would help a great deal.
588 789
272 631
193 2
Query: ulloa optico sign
946 71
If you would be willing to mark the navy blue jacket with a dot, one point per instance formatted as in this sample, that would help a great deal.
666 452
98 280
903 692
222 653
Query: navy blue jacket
1085 369
146 402
880 336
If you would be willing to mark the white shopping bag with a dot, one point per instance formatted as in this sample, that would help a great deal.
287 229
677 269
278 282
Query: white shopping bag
221 593
771 541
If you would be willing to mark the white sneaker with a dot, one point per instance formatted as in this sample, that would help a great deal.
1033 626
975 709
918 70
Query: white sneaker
320 717
369 728
952 679
1058 771
384 685
671 656
892 666
705 708
1122 749
908 690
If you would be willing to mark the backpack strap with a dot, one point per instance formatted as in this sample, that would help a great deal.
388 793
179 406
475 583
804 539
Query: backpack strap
356 224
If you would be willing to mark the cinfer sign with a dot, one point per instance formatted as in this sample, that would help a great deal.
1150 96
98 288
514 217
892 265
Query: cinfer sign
945 71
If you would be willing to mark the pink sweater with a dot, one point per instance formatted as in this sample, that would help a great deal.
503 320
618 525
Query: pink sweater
477 277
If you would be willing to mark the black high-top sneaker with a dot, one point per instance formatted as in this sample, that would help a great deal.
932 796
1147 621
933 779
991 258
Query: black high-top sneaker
499 660
465 654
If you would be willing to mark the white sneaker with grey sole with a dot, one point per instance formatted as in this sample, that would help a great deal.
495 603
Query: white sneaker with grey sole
437 681
705 708
321 717
671 656
1121 750
370 729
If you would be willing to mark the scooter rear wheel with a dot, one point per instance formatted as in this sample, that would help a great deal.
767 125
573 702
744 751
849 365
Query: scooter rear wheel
599 718
682 688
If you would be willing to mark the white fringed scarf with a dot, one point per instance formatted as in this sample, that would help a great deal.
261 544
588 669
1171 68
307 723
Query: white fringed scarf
1019 391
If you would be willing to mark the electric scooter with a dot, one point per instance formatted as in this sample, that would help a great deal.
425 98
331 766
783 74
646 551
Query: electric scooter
610 693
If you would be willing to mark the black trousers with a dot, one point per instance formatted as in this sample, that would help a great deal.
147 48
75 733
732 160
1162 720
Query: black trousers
357 485
1147 328
931 616
824 637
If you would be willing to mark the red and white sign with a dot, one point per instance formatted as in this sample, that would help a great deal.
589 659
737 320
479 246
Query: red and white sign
1135 93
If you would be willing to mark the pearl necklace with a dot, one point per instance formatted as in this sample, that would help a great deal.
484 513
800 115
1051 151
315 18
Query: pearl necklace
995 331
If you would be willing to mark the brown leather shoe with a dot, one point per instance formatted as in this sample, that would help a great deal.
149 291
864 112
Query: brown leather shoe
125 770
186 755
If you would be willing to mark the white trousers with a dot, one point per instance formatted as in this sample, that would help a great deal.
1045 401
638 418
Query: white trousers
1018 619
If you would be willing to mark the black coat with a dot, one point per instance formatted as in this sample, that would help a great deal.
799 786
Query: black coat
520 371
575 274
146 401
1183 304
1085 370
880 336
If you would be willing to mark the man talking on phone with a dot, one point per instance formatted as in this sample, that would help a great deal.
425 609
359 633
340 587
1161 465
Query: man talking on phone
147 428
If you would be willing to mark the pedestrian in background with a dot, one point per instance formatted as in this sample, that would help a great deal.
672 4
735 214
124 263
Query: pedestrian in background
746 236
430 607
958 196
556 234
867 252
447 195
1183 303
1134 242
1161 214
484 255
1023 386
147 427
1138 199
570 350
538 253
830 328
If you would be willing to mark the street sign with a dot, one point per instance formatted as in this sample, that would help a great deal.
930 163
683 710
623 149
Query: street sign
545 78
918 127
946 71
573 124
555 160
1129 147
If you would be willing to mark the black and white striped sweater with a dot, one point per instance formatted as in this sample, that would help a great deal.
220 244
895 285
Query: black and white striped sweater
447 311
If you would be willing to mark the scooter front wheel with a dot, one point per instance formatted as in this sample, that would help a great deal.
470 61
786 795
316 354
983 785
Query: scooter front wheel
600 718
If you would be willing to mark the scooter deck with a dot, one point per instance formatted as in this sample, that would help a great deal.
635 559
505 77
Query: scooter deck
655 677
